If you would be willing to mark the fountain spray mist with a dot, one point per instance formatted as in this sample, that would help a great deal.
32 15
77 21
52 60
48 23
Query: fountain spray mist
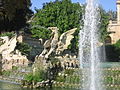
89 51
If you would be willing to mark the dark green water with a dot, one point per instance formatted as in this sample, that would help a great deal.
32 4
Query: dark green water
10 86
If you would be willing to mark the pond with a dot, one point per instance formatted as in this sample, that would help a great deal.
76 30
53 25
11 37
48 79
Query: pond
11 86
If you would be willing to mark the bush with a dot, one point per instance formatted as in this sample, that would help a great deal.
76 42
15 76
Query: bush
69 71
14 68
29 77
39 76
54 60
9 34
113 52
60 79
39 32
36 77
24 48
117 44
6 73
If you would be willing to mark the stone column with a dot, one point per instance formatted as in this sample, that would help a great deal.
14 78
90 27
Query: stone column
118 11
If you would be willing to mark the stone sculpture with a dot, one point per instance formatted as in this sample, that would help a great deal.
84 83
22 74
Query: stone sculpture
50 45
54 44
65 40
10 57
8 46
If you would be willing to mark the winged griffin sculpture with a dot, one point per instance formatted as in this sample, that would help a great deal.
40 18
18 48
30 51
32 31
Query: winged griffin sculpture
56 44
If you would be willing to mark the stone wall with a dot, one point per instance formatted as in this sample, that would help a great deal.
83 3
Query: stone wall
36 45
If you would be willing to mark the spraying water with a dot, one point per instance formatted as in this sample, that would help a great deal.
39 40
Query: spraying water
89 47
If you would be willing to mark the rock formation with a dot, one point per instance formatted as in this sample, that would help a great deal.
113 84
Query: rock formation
10 57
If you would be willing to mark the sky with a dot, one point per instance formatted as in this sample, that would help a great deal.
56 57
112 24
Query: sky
106 4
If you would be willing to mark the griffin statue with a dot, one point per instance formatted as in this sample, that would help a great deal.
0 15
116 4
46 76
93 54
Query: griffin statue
56 44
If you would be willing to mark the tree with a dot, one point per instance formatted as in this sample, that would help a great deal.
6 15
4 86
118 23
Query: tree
65 15
104 23
62 14
14 14
112 14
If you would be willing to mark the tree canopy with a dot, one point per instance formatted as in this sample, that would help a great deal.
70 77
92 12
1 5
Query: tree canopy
104 23
61 13
13 14
65 15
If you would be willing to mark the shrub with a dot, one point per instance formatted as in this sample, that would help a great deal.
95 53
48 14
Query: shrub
9 34
54 60
29 77
117 44
60 78
36 77
14 68
40 32
39 76
24 48
6 73
69 71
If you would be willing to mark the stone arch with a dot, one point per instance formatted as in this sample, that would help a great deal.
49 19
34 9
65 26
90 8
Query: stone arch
108 40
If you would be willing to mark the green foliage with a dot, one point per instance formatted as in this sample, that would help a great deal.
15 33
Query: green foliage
14 68
24 48
65 15
62 14
39 32
113 51
6 73
113 15
54 60
108 80
117 44
104 23
14 14
9 34
29 77
111 76
1 42
36 77
60 79
39 76
117 48
69 71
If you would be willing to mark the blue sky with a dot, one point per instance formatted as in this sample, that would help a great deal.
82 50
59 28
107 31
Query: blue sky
106 4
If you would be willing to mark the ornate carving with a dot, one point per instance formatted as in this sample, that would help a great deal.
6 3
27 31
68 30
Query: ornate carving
10 57
65 40
55 45
50 45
